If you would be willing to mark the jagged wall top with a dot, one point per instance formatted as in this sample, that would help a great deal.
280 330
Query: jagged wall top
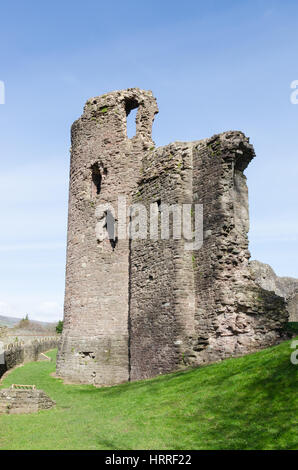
102 109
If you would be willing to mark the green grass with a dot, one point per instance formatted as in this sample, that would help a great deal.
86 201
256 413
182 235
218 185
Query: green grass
244 403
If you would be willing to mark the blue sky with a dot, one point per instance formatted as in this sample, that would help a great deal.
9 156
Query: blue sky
213 66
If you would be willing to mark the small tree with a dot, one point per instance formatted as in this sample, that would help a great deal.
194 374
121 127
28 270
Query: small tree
59 327
24 323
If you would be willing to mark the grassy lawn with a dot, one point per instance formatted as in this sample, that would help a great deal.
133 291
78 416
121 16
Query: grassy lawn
244 403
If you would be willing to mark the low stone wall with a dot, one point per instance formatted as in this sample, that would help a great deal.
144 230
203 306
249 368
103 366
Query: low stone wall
22 400
19 353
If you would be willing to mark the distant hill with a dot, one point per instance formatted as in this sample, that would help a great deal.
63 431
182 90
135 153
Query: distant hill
13 321
8 321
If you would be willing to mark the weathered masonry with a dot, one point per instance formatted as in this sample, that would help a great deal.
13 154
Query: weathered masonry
137 308
23 399
14 354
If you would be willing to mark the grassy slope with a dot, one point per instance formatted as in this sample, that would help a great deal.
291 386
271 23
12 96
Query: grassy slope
244 403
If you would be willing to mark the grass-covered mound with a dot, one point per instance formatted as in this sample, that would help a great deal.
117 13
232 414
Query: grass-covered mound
244 403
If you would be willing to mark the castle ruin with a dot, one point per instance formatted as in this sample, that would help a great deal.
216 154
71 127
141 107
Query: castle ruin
135 308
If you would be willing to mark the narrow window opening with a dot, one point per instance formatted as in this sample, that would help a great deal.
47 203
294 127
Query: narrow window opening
131 108
96 180
110 226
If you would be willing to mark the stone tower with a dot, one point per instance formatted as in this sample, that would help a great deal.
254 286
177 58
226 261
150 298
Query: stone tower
105 164
138 308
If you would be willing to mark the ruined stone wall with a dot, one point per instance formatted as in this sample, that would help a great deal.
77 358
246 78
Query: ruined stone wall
137 308
105 164
234 316
286 287
292 306
20 353
17 401
162 289
194 307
